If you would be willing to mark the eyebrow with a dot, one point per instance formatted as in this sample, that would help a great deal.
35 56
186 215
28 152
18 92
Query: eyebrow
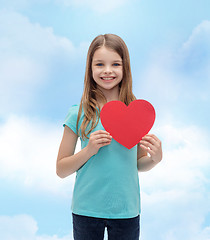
98 60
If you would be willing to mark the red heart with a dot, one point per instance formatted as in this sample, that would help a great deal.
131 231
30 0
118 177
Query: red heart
128 124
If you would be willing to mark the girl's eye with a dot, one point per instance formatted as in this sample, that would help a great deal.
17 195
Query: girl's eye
101 64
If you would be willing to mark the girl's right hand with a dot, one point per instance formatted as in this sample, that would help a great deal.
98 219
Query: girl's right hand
97 140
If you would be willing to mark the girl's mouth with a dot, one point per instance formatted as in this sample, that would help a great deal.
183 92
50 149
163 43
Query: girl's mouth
108 79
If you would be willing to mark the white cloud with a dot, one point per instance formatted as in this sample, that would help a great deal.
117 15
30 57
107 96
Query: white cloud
28 56
179 74
100 7
23 227
160 82
175 194
199 40
29 149
194 56
19 36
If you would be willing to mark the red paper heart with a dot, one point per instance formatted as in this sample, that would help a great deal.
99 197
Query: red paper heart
128 124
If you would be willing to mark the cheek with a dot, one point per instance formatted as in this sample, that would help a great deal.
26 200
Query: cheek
96 72
120 72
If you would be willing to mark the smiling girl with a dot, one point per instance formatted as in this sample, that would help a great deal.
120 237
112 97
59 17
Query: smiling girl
106 192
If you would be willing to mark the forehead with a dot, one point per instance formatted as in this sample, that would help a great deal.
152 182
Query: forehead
104 53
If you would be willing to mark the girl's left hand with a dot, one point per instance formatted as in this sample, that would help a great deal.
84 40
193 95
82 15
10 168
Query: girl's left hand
153 146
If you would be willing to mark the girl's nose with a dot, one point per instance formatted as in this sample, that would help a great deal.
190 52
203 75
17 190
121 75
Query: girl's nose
107 69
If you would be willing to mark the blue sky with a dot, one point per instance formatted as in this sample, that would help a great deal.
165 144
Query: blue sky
43 48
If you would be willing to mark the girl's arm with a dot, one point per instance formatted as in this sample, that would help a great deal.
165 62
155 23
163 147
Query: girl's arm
152 145
67 161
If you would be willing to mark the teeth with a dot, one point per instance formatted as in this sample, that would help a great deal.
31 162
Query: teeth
107 78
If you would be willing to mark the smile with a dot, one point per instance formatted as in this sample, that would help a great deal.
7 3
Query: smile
108 79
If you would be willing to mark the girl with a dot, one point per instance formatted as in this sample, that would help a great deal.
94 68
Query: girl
106 191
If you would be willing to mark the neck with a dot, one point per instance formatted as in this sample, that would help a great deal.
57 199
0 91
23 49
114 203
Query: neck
111 95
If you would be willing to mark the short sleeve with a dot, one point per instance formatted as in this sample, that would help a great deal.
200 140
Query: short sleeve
71 118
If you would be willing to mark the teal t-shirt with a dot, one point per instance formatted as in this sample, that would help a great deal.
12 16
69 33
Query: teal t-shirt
107 185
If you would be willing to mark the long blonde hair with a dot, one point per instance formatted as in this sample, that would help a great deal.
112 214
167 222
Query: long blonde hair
91 93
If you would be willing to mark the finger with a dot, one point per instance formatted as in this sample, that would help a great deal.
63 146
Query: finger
102 136
155 137
104 144
150 151
149 139
152 140
103 140
100 132
146 144
150 146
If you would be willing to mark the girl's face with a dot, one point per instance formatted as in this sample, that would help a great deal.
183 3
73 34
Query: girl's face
107 68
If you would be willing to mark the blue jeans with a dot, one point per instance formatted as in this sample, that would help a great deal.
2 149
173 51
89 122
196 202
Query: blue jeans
91 228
